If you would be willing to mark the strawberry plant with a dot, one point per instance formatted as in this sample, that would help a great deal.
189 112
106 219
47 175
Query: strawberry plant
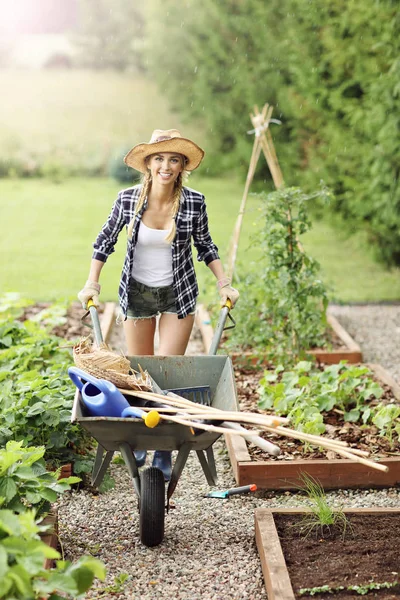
36 395
25 481
22 556
386 418
305 393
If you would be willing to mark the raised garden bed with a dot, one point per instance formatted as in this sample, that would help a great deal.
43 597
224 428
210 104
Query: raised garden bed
344 347
50 537
251 465
368 551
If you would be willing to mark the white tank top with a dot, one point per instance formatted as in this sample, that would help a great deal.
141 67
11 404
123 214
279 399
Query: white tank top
152 260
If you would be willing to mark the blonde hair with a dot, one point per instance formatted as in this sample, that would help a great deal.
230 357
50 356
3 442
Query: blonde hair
146 187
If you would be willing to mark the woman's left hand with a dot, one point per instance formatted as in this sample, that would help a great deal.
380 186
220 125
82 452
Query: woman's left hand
227 292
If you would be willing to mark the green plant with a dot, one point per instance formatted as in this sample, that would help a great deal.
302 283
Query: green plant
306 392
359 589
332 72
119 171
116 587
322 515
287 298
25 481
22 556
386 418
36 394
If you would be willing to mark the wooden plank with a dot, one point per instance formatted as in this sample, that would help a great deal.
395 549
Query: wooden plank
203 322
107 319
237 450
332 474
386 378
50 537
333 357
342 334
276 574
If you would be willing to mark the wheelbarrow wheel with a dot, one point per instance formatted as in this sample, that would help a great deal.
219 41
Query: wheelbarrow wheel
152 506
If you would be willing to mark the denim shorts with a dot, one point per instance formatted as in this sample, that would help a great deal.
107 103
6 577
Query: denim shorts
145 302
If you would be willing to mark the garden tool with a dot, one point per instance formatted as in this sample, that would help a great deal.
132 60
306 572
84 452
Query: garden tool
244 489
103 399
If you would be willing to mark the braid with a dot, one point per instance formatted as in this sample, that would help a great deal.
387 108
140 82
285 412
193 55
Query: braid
175 207
146 185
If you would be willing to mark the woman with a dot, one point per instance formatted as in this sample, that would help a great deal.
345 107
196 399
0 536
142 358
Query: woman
158 278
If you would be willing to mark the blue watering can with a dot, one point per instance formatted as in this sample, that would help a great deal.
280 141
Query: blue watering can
103 399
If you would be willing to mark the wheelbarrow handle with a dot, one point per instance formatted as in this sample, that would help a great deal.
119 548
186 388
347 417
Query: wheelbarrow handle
92 309
223 315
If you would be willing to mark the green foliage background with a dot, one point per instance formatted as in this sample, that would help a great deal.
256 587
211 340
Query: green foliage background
330 68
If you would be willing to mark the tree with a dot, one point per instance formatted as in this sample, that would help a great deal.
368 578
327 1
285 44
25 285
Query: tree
110 35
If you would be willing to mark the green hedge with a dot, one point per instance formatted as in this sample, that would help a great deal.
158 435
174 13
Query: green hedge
331 69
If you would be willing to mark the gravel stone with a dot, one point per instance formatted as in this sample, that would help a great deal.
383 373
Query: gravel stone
209 550
376 329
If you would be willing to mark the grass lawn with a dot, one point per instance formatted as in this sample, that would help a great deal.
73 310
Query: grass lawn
48 230
79 117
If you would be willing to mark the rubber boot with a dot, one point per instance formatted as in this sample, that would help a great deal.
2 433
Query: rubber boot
163 461
140 456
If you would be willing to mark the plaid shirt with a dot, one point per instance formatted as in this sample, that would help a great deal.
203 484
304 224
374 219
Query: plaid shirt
191 221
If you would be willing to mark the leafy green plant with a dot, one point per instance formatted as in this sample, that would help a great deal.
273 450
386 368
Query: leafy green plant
116 587
22 556
359 589
386 418
305 392
283 314
36 395
25 482
322 515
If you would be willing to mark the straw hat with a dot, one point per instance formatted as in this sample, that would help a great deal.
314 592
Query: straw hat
165 140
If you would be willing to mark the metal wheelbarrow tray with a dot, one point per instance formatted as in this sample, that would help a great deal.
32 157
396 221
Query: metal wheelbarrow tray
126 435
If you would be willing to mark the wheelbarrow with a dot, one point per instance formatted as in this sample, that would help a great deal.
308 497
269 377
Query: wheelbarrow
208 379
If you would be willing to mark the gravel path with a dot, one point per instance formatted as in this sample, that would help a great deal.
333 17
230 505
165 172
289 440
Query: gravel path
376 328
209 550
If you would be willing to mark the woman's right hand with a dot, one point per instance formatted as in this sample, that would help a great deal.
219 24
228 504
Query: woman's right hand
90 291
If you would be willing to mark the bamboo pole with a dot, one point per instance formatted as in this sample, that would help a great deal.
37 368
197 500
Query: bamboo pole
213 413
320 441
262 142
207 427
255 155
339 447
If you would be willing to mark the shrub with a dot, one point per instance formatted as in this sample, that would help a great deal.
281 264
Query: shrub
118 170
282 313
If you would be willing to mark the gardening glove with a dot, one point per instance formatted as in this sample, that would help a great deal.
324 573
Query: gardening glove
226 291
90 291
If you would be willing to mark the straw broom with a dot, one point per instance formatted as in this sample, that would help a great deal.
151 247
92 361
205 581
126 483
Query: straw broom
103 363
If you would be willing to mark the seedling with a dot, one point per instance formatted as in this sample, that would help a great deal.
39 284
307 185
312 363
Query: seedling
322 516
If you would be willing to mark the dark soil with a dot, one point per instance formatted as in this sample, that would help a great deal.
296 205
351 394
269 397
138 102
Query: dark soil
369 550
73 328
364 438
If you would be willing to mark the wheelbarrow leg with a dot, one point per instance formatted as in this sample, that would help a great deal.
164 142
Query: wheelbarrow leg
208 465
100 465
130 461
177 470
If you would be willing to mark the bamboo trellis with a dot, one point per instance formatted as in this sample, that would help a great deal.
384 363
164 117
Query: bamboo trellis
262 142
